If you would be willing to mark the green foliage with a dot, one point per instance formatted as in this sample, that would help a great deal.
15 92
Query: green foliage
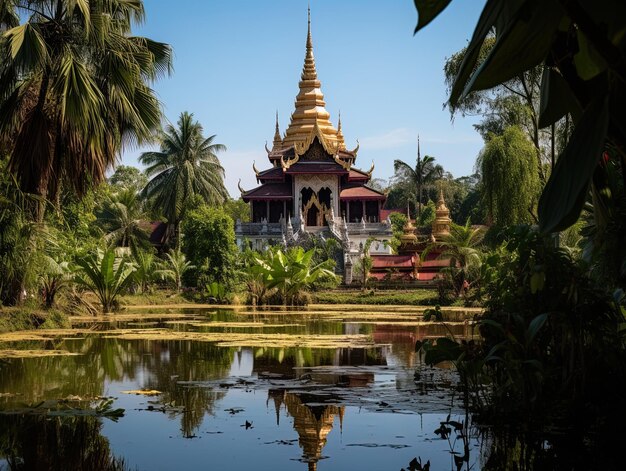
428 215
290 273
24 318
174 268
433 314
146 267
550 342
186 165
398 221
462 246
238 209
122 217
215 292
423 174
75 90
583 53
604 225
21 242
127 177
509 184
209 244
414 297
106 273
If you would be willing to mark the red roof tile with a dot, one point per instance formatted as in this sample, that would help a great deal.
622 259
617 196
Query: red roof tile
361 193
392 261
269 191
274 173
356 174
384 213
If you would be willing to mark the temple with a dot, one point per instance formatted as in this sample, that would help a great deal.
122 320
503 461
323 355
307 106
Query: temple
311 185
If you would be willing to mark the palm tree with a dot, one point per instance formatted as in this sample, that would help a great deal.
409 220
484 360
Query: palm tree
174 267
74 89
461 247
425 172
186 165
122 217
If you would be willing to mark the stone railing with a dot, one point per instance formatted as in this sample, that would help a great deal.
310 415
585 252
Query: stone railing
258 229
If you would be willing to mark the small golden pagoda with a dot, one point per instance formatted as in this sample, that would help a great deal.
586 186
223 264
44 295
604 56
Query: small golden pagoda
408 238
441 224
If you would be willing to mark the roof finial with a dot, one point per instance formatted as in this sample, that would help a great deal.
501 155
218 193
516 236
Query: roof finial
278 142
309 40
340 141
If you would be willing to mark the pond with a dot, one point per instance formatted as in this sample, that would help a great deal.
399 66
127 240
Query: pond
326 389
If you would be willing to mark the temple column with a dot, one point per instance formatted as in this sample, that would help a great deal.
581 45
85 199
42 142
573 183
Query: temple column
364 215
348 210
284 209
267 210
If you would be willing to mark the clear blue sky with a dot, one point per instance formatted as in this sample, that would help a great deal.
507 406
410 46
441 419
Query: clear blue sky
238 61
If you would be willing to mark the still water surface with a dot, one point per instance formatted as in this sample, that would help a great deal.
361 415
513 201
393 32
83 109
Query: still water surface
240 390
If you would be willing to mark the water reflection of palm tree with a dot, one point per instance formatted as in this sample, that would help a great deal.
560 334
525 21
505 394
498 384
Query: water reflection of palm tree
313 423
35 442
187 361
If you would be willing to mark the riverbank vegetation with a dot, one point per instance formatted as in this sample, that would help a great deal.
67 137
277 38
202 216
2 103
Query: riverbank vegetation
545 377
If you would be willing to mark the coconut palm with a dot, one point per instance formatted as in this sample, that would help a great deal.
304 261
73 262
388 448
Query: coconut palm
461 247
186 165
424 173
74 89
122 217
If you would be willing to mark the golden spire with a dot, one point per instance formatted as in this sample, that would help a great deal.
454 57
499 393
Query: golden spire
340 141
310 105
278 142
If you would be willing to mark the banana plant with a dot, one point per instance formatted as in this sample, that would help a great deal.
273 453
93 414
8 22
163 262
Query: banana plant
289 272
107 274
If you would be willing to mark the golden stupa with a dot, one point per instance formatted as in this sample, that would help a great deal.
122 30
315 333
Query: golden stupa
310 112
441 224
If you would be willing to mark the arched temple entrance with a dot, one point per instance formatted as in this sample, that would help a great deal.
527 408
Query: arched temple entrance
315 206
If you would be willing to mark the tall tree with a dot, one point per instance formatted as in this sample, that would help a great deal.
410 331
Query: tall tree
186 165
424 172
509 183
582 50
515 102
75 89
128 177
121 217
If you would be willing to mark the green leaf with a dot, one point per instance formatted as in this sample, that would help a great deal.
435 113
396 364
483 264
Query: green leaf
28 48
428 10
587 60
537 282
535 325
564 194
444 350
494 11
521 43
556 98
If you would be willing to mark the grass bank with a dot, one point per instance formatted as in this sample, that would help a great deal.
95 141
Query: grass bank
415 297
24 318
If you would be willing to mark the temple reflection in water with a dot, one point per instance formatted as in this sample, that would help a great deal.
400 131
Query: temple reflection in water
313 423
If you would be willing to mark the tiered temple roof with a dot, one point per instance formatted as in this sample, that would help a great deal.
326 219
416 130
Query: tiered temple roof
311 145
